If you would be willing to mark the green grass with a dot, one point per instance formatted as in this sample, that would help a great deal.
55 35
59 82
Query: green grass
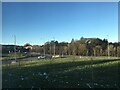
11 55
63 72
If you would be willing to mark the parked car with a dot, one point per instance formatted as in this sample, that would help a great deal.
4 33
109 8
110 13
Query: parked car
62 56
44 57
41 57
12 59
55 56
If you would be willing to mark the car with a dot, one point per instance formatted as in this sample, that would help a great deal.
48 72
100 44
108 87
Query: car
55 56
63 56
42 57
12 59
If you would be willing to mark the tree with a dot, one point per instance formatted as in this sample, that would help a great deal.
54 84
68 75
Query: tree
69 49
111 50
82 49
118 51
73 48
27 44
97 50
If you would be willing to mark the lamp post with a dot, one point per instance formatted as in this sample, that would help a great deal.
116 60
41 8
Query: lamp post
54 45
44 49
50 49
15 46
87 42
108 48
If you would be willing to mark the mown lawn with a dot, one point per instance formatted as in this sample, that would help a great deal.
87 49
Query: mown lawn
62 73
11 56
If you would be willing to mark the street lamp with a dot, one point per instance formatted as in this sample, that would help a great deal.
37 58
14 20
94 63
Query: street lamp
54 45
15 46
108 47
44 49
88 42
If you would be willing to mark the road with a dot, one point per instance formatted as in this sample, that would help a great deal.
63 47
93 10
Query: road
35 57
22 59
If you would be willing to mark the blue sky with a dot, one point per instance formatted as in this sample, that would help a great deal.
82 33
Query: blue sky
36 23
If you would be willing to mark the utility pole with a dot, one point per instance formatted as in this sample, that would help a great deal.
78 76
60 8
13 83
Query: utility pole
50 48
117 51
54 45
88 42
108 47
15 46
44 49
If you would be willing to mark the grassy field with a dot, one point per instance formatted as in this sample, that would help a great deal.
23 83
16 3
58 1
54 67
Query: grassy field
63 73
10 56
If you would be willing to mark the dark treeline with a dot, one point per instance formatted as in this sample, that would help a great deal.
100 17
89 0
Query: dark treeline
11 49
81 47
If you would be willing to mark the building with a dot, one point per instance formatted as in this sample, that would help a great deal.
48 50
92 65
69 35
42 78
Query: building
28 47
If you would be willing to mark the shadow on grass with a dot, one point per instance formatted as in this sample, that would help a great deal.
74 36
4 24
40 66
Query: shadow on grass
57 77
73 64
